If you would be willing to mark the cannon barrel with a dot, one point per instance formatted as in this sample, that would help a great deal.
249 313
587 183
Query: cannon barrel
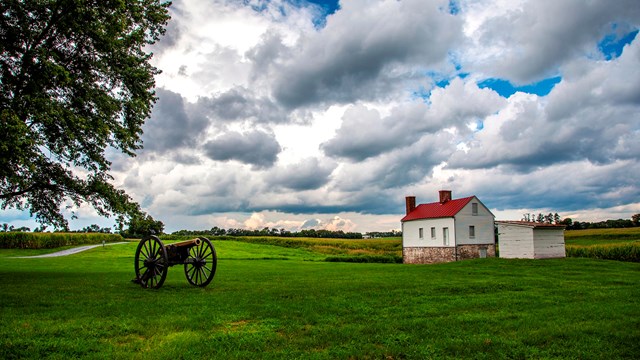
187 243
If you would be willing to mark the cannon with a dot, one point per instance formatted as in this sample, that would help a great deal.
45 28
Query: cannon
153 259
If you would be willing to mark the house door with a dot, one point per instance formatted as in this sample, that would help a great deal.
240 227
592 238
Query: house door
445 236
483 252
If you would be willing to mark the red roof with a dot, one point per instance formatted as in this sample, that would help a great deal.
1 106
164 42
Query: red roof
437 210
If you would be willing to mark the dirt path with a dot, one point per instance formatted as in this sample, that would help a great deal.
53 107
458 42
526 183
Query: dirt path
67 252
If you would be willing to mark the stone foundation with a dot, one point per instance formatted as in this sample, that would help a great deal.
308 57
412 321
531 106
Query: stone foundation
431 255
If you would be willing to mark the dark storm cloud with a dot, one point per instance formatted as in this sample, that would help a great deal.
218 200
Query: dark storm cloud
401 167
361 46
412 164
544 34
240 104
364 134
266 54
171 126
309 174
373 201
256 148
172 30
186 158
561 187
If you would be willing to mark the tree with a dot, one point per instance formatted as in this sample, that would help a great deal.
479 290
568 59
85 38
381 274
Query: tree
568 222
635 219
74 81
142 224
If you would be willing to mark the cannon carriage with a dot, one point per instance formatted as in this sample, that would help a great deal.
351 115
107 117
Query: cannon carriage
153 259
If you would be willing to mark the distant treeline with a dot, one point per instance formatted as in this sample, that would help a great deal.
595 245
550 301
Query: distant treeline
552 218
216 231
93 228
608 224
310 233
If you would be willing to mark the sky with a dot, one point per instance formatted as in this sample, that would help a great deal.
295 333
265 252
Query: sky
295 114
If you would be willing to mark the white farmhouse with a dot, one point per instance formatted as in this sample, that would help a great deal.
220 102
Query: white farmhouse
447 230
529 240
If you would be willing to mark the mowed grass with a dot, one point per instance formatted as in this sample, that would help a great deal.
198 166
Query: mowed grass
263 306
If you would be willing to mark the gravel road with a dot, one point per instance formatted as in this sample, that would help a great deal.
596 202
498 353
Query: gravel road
68 251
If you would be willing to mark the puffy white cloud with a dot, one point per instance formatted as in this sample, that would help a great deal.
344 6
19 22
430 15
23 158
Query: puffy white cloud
271 116
366 133
588 115
528 40
367 50
369 127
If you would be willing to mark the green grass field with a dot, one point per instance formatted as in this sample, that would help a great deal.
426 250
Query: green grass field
276 302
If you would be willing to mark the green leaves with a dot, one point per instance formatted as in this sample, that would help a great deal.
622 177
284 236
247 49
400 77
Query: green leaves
74 81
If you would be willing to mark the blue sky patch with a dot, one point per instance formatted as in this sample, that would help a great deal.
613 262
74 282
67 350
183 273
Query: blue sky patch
329 6
454 7
612 44
505 88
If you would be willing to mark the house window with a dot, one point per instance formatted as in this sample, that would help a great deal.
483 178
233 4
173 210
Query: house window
433 233
474 208
420 233
445 236
472 232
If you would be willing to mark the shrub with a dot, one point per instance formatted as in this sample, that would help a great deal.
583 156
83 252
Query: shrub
25 240
387 259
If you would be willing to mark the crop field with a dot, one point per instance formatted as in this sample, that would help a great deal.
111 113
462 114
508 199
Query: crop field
609 244
276 302
602 236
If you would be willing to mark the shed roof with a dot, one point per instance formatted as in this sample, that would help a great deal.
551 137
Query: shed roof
437 210
529 224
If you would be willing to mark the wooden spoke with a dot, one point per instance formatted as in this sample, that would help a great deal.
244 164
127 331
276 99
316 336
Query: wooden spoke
151 262
202 264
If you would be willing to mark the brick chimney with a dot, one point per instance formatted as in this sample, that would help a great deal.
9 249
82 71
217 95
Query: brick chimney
445 195
411 203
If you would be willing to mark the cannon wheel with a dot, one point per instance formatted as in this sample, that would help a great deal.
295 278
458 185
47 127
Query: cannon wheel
151 262
201 265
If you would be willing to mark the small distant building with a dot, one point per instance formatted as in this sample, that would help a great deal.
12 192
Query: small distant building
530 240
447 230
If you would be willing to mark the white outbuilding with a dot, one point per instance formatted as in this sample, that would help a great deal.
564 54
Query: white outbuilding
530 240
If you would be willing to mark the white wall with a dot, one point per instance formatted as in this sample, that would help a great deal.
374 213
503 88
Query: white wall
483 222
515 242
410 232
548 243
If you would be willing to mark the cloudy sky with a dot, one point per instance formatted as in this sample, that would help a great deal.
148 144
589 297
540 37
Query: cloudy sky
297 114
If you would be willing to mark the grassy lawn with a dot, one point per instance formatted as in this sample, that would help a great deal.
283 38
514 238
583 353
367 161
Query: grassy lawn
279 302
